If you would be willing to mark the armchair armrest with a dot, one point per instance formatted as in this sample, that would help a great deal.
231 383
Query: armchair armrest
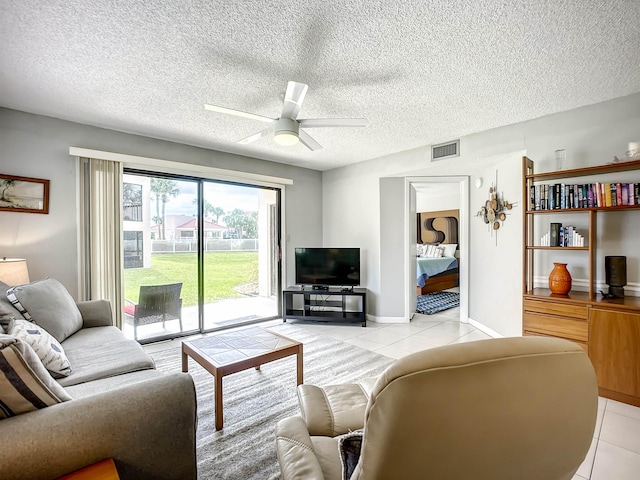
295 451
148 428
95 313
332 410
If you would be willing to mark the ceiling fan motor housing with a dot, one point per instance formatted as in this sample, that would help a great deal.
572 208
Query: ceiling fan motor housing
285 127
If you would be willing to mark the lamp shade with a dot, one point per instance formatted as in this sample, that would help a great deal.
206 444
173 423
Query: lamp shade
13 271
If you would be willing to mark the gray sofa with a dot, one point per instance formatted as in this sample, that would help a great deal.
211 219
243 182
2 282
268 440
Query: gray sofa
120 408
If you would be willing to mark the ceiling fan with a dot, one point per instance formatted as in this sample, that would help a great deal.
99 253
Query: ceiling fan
287 129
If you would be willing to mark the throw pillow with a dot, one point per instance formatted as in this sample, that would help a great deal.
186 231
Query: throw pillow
48 304
46 347
449 249
25 385
349 446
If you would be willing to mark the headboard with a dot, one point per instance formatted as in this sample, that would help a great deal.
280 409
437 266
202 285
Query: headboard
438 227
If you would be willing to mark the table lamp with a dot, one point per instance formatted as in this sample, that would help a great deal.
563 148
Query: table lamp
13 271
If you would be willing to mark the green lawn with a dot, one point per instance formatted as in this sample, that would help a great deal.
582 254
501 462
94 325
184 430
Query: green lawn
222 272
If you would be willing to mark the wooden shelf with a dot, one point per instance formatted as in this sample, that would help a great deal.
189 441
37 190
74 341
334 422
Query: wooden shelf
606 328
564 249
582 210
586 172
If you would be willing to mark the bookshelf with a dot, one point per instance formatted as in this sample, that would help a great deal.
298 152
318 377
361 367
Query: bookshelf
607 329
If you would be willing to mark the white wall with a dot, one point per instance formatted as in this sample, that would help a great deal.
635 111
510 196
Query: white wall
393 211
591 135
37 146
495 276
442 197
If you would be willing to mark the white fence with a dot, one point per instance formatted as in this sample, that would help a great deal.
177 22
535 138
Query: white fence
210 245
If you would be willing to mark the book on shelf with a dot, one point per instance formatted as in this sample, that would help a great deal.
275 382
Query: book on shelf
607 194
589 195
554 234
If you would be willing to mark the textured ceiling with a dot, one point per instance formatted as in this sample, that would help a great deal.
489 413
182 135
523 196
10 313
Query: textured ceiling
422 72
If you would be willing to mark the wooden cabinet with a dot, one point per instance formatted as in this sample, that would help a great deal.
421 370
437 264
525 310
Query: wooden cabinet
607 329
615 353
564 320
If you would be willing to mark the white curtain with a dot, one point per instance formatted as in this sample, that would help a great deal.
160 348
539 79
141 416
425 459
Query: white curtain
101 255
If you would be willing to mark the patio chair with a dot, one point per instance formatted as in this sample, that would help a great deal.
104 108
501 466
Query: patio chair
156 303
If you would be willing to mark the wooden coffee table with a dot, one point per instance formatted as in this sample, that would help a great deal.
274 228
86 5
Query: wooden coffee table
233 352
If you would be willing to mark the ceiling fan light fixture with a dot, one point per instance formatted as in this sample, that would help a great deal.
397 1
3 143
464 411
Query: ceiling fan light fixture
286 132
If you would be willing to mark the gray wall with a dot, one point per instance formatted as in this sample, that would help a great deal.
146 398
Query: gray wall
37 146
591 135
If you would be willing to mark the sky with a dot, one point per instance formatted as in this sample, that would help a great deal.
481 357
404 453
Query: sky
228 197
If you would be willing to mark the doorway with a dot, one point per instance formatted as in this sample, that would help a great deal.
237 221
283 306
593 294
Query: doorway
434 194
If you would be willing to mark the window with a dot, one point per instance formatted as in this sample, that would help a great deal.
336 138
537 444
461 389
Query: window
133 249
132 202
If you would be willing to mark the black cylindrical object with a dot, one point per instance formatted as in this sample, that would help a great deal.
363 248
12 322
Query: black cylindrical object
615 267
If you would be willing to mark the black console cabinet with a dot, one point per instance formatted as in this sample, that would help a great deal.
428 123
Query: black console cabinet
333 305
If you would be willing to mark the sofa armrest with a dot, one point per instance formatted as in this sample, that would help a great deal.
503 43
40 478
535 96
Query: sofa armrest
95 313
295 451
334 409
148 428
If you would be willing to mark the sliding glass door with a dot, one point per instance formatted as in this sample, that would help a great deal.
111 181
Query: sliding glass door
240 254
199 255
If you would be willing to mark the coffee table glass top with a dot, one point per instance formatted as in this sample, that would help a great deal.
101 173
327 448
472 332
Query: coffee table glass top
235 346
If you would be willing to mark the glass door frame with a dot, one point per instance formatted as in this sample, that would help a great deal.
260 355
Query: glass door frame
200 181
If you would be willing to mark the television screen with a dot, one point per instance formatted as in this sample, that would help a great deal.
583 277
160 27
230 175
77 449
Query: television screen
328 266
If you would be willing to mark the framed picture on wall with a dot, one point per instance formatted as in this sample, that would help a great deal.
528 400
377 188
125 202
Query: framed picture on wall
23 194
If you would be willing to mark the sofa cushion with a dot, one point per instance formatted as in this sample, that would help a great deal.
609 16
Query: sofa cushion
97 387
105 360
25 385
89 337
48 304
7 310
47 348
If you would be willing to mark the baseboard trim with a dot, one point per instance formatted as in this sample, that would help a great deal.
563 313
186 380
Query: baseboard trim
484 329
374 318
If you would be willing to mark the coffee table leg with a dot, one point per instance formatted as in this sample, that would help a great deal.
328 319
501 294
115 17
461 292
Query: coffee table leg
185 362
300 365
218 400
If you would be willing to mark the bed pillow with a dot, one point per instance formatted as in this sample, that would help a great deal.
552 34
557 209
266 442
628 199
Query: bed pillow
25 385
433 251
48 304
46 347
449 249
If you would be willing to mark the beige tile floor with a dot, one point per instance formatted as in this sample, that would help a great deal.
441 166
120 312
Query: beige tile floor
615 451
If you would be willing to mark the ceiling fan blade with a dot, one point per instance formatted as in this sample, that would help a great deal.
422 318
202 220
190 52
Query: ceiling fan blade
254 137
238 113
333 122
293 99
308 141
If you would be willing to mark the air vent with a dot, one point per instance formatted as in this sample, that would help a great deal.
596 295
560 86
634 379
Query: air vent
445 150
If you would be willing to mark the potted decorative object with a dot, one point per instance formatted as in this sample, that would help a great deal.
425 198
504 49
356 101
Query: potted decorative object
560 279
615 267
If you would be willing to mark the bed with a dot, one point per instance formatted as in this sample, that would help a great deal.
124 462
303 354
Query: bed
438 228
436 274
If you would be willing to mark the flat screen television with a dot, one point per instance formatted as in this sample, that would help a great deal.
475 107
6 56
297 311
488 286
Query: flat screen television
328 266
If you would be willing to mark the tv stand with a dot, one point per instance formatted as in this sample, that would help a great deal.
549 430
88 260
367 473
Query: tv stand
342 305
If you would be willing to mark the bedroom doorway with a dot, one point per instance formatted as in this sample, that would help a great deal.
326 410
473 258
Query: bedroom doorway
441 195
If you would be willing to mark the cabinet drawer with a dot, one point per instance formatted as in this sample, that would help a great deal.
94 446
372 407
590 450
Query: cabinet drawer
561 309
569 328
585 346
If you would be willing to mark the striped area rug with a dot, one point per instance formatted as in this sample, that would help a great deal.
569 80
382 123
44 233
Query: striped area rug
437 302
254 401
